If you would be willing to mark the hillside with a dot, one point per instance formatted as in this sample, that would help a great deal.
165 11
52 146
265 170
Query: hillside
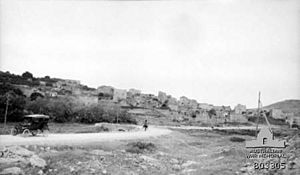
287 106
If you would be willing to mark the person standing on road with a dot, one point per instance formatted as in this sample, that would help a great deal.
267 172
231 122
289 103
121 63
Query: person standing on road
145 125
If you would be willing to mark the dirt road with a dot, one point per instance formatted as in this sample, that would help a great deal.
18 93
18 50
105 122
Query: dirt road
90 138
82 138
220 128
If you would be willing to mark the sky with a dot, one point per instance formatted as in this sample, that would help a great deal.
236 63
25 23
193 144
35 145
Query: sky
221 52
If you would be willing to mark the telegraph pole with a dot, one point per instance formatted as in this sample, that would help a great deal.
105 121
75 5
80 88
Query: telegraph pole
263 114
258 113
6 109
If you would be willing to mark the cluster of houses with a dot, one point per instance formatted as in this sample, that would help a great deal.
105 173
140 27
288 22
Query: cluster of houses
185 108
181 109
60 87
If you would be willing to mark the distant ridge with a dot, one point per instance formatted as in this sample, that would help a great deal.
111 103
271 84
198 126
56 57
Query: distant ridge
287 106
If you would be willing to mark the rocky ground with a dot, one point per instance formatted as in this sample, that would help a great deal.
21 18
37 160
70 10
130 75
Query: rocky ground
70 160
181 152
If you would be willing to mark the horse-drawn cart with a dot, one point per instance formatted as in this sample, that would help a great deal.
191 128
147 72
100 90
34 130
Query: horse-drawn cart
32 124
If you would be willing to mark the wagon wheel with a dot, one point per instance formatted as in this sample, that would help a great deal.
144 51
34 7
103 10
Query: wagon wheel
34 133
46 132
39 131
14 131
26 133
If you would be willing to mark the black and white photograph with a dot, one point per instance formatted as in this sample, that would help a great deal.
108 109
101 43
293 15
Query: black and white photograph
149 87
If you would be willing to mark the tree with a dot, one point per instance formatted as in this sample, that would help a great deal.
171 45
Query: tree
212 112
6 108
27 75
12 103
35 95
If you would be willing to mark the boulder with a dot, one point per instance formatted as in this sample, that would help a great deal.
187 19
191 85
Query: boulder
174 161
10 160
148 159
13 171
99 152
176 167
36 161
188 171
20 151
189 163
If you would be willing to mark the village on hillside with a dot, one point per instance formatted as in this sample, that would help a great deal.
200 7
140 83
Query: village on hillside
76 129
179 110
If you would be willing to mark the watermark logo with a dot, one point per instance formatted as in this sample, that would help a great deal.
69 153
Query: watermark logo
265 139
266 152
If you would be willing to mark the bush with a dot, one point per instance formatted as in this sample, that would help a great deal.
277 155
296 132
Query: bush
101 113
212 112
140 147
102 128
35 95
27 75
271 120
91 114
68 110
60 110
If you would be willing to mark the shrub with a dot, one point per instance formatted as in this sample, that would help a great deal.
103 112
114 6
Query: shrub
212 112
35 95
102 128
69 110
60 109
103 113
90 114
140 147
27 75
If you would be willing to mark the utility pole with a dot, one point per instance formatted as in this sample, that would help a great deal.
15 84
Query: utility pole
6 109
117 116
263 114
258 113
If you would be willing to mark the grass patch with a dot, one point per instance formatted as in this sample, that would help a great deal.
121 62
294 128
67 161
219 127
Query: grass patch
238 124
278 132
237 132
262 120
140 147
237 139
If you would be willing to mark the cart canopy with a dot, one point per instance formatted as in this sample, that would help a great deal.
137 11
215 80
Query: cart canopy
37 116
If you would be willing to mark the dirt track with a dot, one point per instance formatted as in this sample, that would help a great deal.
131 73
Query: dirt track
80 139
90 138
220 128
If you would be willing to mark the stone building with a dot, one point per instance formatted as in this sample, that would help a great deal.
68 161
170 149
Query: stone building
205 106
189 103
133 92
277 114
67 83
172 103
238 118
184 101
105 92
119 95
162 97
240 109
